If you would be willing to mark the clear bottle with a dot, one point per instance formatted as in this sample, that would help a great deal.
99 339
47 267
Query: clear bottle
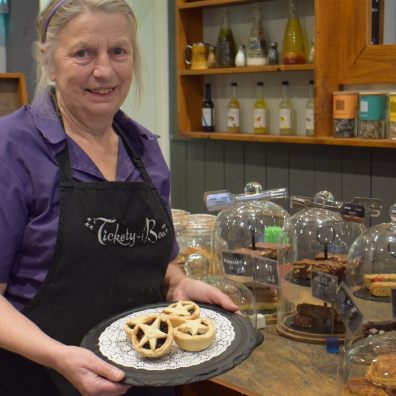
257 45
240 58
273 54
233 111
208 111
286 112
225 48
293 48
260 112
309 111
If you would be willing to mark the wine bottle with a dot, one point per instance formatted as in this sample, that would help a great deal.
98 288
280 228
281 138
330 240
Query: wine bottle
208 111
260 112
286 112
309 112
233 111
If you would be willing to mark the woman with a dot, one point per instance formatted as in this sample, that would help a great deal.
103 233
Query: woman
86 231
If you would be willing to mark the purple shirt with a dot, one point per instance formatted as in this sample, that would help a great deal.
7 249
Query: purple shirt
30 138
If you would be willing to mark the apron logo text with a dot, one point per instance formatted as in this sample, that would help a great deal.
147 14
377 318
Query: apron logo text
110 232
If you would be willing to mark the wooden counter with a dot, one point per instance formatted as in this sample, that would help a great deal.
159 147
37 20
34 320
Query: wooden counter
277 367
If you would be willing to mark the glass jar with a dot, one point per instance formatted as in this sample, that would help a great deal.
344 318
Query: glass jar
308 286
392 115
250 238
371 276
345 113
195 238
372 109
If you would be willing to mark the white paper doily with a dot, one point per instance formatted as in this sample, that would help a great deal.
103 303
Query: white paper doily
114 344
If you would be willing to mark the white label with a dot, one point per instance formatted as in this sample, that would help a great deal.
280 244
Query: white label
233 118
285 119
364 106
260 118
207 119
309 119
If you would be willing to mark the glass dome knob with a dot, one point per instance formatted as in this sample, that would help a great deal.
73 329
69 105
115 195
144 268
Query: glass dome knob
253 188
392 213
196 265
324 197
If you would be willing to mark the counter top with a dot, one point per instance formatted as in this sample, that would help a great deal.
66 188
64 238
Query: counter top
283 367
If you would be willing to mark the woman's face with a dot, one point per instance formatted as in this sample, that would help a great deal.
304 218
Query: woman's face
92 65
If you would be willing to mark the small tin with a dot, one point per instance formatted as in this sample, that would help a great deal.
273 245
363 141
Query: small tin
372 115
345 112
392 115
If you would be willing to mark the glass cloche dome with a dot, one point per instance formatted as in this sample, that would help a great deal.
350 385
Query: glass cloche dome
371 275
369 368
251 235
309 284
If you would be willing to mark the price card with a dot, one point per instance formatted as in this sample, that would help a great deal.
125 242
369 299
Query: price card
265 270
393 298
237 264
217 200
324 286
352 212
349 312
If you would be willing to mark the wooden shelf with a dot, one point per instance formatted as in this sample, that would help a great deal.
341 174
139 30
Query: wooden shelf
211 3
248 69
248 137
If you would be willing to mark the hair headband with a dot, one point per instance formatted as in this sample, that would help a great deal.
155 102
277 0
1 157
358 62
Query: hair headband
49 17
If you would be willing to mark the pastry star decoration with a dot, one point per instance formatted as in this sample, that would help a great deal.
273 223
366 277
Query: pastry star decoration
180 309
193 327
152 333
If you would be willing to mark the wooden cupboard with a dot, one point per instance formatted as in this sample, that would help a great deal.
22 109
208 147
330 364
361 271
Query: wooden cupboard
343 57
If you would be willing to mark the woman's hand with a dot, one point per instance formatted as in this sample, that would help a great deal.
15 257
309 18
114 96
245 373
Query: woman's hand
180 287
88 373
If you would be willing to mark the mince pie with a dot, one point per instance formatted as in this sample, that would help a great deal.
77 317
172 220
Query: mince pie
130 324
194 334
153 337
180 311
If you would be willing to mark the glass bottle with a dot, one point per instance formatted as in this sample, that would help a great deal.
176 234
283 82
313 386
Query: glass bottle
240 59
260 112
211 57
309 111
293 49
286 110
233 111
257 45
208 111
225 48
273 54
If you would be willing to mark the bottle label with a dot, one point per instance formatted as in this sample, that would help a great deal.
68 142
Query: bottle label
285 119
309 119
260 118
392 108
372 107
207 117
233 118
345 106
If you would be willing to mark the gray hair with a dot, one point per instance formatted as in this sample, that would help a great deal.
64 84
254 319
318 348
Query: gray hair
49 26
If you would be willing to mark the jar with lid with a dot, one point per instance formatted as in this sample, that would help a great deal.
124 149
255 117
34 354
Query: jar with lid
308 285
372 109
392 115
251 236
195 238
345 113
371 277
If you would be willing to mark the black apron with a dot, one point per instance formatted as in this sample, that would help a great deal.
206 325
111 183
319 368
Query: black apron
113 246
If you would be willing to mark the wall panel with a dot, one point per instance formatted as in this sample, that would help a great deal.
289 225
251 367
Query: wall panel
303 169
